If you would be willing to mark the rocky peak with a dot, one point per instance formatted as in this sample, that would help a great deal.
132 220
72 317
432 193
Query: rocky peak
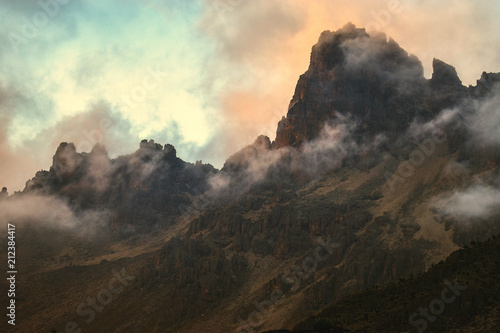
444 75
485 84
65 147
351 48
66 160
150 145
170 151
328 53
4 192
147 149
242 158
370 79
98 150
140 191
262 142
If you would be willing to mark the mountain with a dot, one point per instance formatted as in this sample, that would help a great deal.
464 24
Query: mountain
376 174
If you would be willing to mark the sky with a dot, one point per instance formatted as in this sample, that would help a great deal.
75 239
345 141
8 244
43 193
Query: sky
207 76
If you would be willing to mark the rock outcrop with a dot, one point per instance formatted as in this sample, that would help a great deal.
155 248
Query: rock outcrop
353 74
370 80
143 191
444 75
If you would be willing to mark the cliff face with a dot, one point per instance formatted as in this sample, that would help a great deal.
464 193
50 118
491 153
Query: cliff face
475 310
371 79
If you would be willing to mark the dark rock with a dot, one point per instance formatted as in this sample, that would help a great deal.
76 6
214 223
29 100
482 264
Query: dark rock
444 75
367 78
143 191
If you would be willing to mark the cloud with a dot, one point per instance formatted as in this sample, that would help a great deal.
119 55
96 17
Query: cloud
97 125
484 122
331 148
329 151
15 165
249 165
48 211
480 117
446 120
478 201
380 56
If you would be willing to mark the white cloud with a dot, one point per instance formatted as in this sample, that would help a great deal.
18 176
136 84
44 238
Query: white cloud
484 122
49 211
475 202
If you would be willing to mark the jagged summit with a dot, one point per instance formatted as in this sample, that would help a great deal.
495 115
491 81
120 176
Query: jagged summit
355 74
369 78
149 150
241 158
144 188
444 74
151 145
485 84
327 53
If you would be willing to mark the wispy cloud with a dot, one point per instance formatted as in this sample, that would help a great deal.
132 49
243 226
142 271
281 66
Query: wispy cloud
329 151
484 122
49 211
478 201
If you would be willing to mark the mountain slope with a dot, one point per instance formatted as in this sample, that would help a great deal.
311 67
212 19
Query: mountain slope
471 304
